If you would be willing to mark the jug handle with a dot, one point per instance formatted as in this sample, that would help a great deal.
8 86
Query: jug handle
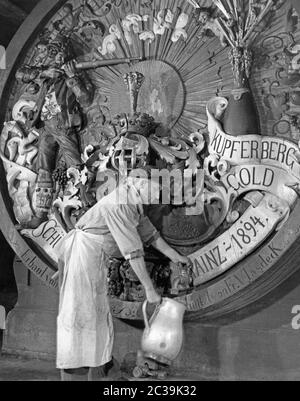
145 304
144 308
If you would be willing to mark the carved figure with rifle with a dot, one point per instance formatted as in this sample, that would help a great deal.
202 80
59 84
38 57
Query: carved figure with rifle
58 89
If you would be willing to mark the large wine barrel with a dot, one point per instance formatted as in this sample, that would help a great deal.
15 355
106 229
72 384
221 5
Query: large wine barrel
182 73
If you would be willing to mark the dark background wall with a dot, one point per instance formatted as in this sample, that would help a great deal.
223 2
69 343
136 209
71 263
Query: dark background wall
12 14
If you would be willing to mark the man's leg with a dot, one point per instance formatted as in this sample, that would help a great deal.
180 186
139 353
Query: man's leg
72 375
109 372
70 149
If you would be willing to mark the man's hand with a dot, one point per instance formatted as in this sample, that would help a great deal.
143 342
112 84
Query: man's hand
181 259
171 253
52 73
70 69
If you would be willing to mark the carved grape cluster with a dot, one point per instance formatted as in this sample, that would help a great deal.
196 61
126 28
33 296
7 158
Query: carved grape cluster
115 288
60 176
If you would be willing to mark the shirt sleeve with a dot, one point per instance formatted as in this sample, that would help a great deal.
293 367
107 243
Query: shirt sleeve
147 231
122 222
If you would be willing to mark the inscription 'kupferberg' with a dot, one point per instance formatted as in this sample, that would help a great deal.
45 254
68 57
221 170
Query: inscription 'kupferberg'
256 148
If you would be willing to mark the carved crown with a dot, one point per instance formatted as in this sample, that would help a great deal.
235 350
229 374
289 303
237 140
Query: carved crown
138 123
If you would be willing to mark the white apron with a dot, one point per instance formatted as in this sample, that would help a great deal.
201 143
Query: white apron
84 325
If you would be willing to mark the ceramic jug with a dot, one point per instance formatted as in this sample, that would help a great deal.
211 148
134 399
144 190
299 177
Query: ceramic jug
163 335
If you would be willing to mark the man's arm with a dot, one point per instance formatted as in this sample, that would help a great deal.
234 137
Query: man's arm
161 245
150 236
122 222
139 267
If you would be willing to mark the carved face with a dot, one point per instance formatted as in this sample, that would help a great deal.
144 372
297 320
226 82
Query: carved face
56 55
50 54
41 56
60 59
